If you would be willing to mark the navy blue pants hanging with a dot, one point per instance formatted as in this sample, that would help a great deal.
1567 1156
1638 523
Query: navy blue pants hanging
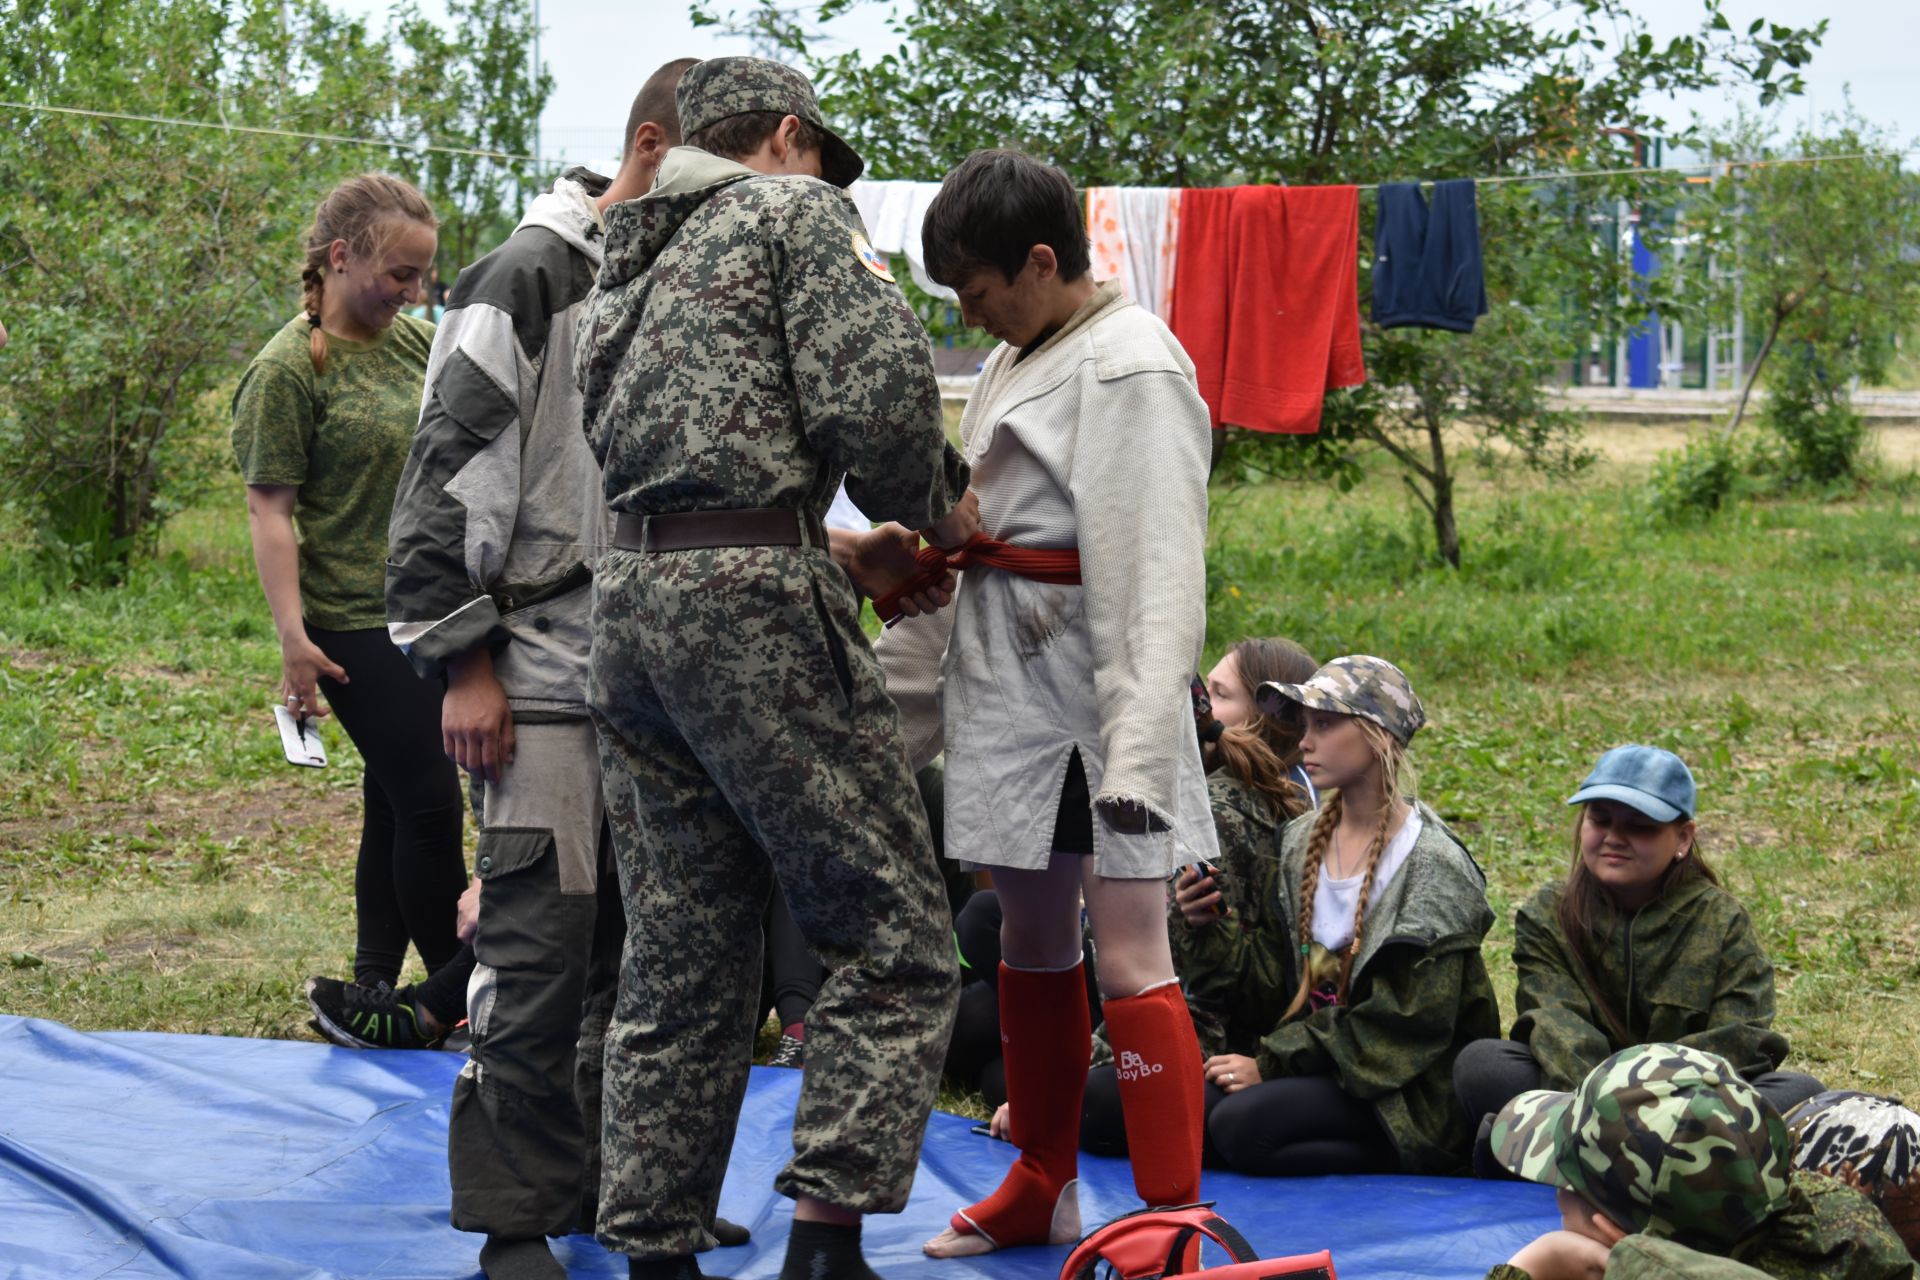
1427 268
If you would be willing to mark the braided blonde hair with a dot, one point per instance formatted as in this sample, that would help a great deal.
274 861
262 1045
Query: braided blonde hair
1395 774
362 212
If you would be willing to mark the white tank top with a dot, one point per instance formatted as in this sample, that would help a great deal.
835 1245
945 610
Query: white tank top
1334 900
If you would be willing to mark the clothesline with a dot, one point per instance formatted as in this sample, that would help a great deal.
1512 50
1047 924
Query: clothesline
1759 162
269 131
1557 176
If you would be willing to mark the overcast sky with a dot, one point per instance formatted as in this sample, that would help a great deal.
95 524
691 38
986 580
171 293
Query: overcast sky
601 50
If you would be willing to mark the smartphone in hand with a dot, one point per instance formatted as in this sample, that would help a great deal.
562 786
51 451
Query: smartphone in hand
300 739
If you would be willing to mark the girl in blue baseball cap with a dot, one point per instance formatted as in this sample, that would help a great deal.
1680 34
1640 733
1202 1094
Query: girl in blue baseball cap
1639 944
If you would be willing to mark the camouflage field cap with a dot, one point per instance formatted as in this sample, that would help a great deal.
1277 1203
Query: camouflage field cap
1355 686
720 88
1662 1139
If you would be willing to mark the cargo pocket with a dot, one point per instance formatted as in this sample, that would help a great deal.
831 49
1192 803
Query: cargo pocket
522 914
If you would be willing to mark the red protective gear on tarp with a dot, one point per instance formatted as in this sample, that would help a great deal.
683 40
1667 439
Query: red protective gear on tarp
1155 1243
1045 1032
1157 1058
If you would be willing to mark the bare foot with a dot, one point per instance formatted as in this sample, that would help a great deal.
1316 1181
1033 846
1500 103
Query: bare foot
1064 1228
952 1244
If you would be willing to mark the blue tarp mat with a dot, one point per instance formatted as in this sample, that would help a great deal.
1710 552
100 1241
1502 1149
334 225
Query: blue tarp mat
135 1154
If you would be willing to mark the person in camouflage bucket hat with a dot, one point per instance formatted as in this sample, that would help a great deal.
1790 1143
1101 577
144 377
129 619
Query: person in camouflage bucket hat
1357 685
1661 1138
1668 1164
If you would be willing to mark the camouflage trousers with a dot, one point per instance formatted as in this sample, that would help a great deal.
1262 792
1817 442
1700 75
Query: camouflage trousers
523 1138
747 739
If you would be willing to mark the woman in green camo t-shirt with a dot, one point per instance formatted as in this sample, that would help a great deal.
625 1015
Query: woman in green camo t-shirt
321 425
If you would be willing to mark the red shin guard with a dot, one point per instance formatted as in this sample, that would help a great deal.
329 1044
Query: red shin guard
1158 1059
1045 1033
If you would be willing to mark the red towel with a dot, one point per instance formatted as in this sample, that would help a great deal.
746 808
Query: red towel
1266 300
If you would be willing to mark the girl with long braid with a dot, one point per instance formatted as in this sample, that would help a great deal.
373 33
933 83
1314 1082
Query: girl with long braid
321 424
1375 928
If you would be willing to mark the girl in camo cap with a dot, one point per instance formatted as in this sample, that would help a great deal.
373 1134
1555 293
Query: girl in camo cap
1375 930
1639 943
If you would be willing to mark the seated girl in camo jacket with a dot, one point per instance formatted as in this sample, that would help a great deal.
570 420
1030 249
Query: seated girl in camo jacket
1369 930
1639 944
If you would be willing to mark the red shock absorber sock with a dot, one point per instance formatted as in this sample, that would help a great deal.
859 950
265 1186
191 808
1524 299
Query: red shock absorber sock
1158 1059
1045 1035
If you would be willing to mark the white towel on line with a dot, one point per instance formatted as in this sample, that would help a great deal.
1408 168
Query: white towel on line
894 213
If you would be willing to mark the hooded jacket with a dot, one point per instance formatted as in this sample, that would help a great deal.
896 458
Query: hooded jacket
1684 969
1418 993
745 347
499 518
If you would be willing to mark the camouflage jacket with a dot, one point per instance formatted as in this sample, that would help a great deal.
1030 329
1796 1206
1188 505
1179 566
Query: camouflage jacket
1419 991
1826 1232
1233 982
741 350
1685 969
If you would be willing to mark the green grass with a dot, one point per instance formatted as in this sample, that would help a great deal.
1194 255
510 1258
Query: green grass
161 868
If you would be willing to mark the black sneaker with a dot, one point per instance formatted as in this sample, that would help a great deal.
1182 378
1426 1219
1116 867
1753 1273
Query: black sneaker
790 1052
357 1017
1485 1163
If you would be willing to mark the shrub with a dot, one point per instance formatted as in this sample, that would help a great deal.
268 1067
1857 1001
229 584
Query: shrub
1689 485
1810 409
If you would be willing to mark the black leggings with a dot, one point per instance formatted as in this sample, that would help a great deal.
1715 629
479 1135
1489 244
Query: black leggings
790 975
1490 1073
1297 1126
412 869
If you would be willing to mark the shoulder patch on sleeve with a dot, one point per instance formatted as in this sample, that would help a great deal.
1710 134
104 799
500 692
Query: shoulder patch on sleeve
871 258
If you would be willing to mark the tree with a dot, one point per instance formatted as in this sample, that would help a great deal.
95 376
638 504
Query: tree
143 261
1823 256
1156 92
472 86
136 255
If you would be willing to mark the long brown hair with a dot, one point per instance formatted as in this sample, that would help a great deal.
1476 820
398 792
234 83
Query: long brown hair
1581 898
360 211
1263 752
1391 759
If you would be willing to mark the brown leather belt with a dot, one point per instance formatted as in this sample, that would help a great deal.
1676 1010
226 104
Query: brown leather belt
731 527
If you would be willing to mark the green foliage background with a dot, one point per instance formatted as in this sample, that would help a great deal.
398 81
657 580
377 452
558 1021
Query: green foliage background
143 263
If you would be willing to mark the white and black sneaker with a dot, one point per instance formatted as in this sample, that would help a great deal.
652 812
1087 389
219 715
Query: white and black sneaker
790 1052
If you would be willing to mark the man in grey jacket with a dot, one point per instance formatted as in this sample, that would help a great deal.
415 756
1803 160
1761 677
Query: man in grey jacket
496 528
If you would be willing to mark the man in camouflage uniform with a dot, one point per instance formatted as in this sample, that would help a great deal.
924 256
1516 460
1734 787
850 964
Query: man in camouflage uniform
1670 1165
744 349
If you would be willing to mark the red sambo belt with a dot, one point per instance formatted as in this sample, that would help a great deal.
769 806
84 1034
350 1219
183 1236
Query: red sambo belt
1062 568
